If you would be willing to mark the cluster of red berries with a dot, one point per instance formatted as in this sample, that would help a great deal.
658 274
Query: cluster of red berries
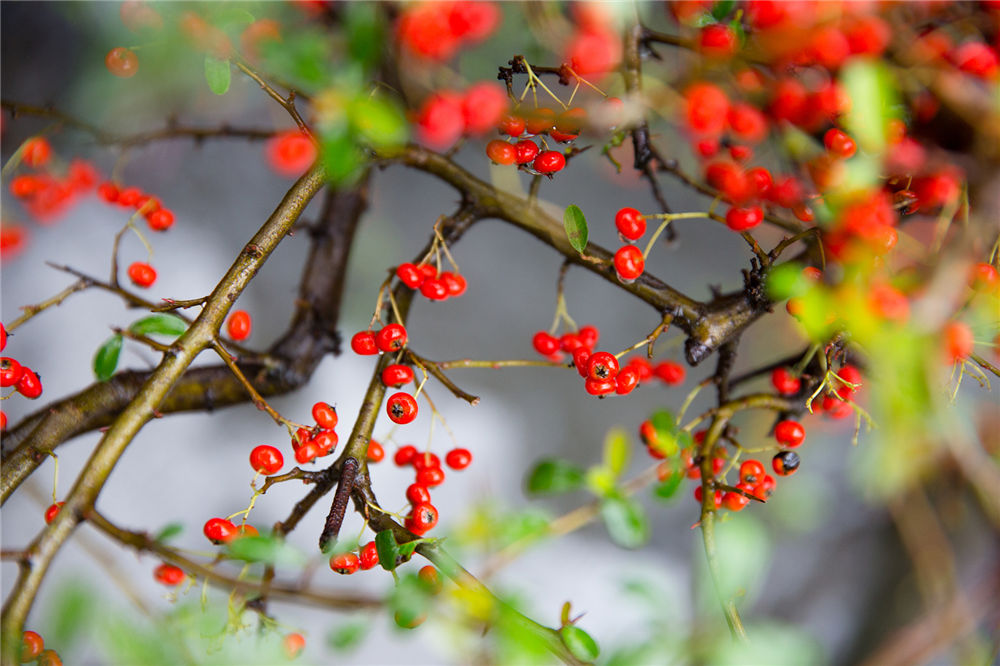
33 650
629 261
436 30
51 188
524 152
401 407
433 284
12 373
223 530
447 114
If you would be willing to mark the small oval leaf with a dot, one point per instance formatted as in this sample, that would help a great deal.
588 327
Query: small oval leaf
626 521
106 358
388 549
159 324
616 450
580 643
555 476
576 227
217 75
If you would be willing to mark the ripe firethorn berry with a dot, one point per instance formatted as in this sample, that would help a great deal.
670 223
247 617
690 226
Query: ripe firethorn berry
141 274
512 125
122 62
984 276
293 645
291 153
376 452
707 108
430 477
418 494
734 501
404 455
430 575
422 519
401 408
655 445
325 415
602 365
958 341
219 530
301 436
785 382
266 459
835 408
363 343
785 463
397 375
742 219
629 263
53 511
160 220
526 151
570 342
839 143
32 645
36 152
643 367
307 452
751 471
108 192
3 337
10 372
588 335
540 120
168 574
760 181
852 376
238 325
345 563
325 441
368 556
626 380
765 487
600 386
434 289
29 385
391 338
630 223
129 197
49 658
455 283
425 460
789 433
581 356
458 458
246 531
3 421
410 275
670 372
549 162
698 494
717 41
501 152
545 343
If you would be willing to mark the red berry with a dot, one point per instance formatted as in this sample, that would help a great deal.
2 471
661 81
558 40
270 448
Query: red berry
141 274
454 282
425 460
430 477
785 463
108 192
764 487
600 386
375 452
160 220
404 455
540 121
391 338
838 143
760 181
307 452
626 380
410 275
53 511
751 471
549 161
219 530
325 441
49 658
570 342
266 459
29 385
168 574
440 120
36 152
325 415
396 375
501 152
670 372
630 223
290 153
401 408
743 219
368 558
10 372
581 356
363 343
32 645
527 151
958 341
717 41
293 644
545 343
835 408
789 433
698 494
747 122
707 108
512 125
122 62
735 501
602 365
984 276
345 563
629 263
458 458
434 289
642 366
238 325
588 336
483 105
3 421
423 517
429 575
850 375
417 494
785 382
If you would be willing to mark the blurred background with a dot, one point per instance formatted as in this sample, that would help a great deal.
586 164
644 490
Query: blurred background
825 574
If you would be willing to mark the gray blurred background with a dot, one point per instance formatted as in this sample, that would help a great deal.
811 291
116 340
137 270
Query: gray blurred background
827 566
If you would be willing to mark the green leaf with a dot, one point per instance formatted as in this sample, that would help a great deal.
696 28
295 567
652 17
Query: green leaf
616 450
106 358
786 281
410 600
668 488
554 475
159 324
379 121
268 549
576 227
168 532
722 8
580 643
663 421
340 156
388 549
349 636
601 481
626 521
69 618
872 91
364 38
217 75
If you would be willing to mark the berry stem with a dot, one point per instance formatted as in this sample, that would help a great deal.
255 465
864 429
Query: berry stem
667 219
434 368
